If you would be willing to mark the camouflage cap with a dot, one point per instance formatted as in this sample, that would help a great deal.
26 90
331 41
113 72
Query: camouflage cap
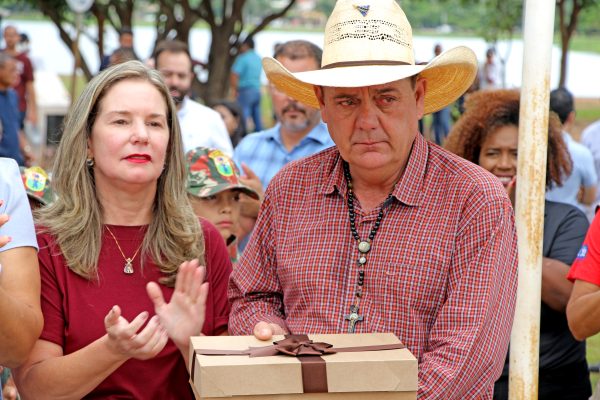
37 184
210 171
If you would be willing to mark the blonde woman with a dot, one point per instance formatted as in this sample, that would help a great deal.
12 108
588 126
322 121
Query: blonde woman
122 223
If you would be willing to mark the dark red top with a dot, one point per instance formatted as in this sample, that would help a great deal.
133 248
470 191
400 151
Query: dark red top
25 75
74 309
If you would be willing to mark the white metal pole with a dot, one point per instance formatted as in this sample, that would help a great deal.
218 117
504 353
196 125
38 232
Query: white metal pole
531 181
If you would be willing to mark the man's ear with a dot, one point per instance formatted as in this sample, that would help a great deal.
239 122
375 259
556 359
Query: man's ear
420 90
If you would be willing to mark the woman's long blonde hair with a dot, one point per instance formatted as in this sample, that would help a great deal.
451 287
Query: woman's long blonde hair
75 218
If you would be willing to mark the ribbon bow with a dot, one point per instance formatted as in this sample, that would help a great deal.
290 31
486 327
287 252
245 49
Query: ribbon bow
292 346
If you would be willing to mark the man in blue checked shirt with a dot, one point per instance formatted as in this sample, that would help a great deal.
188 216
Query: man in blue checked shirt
299 131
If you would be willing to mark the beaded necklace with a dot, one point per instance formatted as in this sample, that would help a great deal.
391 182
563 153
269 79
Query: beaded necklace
364 246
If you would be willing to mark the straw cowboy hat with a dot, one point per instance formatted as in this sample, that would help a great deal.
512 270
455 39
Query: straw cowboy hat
369 42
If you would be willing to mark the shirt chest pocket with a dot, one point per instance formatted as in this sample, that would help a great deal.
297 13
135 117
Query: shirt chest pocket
408 287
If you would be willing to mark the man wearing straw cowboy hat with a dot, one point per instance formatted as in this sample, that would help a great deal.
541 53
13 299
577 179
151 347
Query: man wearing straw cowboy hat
384 232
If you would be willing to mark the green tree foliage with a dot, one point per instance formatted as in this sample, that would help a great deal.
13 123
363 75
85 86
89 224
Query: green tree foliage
569 12
229 22
117 13
500 19
325 6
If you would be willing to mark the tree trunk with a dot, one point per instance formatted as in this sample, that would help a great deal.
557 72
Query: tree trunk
124 10
219 66
100 15
53 14
563 42
564 60
226 38
566 33
225 29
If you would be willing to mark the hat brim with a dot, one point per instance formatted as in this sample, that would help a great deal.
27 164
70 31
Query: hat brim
39 199
228 186
448 76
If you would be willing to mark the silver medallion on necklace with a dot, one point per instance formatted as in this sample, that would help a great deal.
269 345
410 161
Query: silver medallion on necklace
128 266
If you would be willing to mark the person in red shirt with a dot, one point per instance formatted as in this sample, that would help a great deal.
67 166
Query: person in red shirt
24 86
583 309
120 296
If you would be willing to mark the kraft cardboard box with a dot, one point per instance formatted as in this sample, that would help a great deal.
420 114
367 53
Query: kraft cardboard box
377 375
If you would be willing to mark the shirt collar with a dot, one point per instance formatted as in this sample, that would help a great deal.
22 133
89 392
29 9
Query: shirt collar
409 188
318 134
567 137
183 110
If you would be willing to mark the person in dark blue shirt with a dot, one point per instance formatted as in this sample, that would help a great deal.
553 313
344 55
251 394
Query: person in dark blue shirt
9 111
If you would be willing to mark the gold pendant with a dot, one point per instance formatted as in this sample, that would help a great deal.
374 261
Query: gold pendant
128 267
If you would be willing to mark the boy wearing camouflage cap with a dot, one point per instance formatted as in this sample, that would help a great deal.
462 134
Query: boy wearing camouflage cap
214 189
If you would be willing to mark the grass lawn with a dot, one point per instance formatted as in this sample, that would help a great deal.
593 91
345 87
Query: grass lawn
587 111
579 42
593 357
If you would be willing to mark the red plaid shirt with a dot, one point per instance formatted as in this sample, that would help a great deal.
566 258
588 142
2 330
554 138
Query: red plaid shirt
441 273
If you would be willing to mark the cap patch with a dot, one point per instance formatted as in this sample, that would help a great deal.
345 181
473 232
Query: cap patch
35 179
222 162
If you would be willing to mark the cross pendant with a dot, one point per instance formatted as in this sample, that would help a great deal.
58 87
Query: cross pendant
353 318
128 267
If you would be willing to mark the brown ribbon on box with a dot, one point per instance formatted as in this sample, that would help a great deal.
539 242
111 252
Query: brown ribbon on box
314 372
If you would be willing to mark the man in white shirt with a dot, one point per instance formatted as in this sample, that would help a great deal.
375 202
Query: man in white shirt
590 137
579 188
200 125
490 72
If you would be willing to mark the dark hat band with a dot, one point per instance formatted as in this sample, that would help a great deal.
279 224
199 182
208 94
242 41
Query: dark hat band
360 63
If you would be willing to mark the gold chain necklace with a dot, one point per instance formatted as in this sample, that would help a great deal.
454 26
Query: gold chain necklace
128 261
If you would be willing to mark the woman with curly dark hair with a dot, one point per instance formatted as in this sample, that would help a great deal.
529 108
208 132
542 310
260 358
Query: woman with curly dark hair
487 134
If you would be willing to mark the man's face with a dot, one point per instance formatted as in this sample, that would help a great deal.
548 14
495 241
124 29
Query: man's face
176 69
126 40
293 116
8 74
11 37
222 209
374 126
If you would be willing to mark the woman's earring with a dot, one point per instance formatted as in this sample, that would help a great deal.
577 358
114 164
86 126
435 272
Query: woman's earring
89 162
